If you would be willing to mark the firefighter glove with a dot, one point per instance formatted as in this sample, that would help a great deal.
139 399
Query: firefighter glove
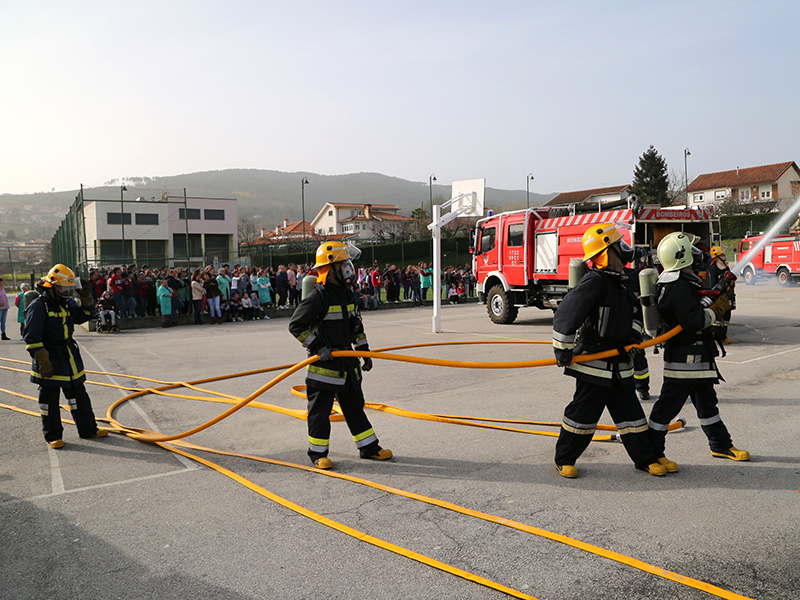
367 364
563 357
85 294
721 305
42 357
324 354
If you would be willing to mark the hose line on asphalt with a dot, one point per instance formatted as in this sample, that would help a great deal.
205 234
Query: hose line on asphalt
149 436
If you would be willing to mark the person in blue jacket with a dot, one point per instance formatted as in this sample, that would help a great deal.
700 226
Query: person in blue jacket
57 365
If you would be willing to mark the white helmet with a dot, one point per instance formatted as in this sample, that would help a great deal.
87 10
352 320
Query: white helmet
675 251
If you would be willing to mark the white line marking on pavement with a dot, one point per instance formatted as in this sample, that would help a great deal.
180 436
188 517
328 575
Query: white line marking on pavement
56 480
94 487
744 362
190 465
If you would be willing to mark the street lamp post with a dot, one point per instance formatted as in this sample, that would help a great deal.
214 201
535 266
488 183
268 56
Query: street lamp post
303 185
122 191
528 180
686 154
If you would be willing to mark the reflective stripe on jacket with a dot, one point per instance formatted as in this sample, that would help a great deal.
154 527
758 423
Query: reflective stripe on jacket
50 325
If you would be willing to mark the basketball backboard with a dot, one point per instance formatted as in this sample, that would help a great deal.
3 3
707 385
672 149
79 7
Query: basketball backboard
478 186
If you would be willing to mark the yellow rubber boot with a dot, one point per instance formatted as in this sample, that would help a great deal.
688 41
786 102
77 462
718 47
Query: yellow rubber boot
323 463
669 465
657 469
732 453
56 444
568 471
100 433
383 454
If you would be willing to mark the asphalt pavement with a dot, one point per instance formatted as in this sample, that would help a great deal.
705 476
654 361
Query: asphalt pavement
117 518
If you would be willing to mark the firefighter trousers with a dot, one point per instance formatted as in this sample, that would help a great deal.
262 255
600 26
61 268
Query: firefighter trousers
79 405
674 393
351 401
583 413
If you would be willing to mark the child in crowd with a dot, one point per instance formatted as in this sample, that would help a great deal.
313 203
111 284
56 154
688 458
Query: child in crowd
235 306
452 294
225 309
247 307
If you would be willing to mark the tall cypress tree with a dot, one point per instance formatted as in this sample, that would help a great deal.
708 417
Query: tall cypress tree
650 182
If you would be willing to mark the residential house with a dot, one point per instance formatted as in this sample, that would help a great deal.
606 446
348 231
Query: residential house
768 185
360 221
288 234
595 196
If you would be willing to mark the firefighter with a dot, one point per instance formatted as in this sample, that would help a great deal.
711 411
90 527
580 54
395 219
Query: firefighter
717 267
641 369
57 366
601 313
326 320
689 367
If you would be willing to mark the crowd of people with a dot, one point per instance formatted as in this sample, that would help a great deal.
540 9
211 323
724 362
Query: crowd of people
244 293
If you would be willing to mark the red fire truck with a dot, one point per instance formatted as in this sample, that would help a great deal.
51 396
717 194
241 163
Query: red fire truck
778 258
522 258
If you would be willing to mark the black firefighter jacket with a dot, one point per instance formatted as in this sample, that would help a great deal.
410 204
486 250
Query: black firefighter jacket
328 317
50 325
600 313
690 354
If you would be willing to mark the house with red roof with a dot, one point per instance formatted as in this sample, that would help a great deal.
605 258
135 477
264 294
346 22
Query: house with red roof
595 196
360 221
767 184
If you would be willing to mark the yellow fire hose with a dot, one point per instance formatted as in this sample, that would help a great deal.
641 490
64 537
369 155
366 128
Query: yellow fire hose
144 435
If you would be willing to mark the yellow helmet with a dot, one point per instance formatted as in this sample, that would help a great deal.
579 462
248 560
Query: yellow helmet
599 237
331 252
716 251
60 275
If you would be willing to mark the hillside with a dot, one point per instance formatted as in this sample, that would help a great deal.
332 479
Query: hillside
267 197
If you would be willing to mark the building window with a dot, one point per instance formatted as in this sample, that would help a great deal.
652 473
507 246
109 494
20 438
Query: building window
766 194
330 229
151 251
193 214
116 218
330 213
147 218
697 198
113 251
217 245
744 194
179 244
720 195
214 214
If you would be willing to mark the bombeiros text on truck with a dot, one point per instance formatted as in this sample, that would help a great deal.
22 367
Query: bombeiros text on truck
522 258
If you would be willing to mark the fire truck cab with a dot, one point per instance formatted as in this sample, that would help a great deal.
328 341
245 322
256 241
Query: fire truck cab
521 258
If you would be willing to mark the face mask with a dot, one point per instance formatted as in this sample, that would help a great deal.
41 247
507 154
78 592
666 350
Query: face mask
348 271
64 295
624 251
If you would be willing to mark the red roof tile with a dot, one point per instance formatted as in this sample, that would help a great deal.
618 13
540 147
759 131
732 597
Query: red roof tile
740 177
583 195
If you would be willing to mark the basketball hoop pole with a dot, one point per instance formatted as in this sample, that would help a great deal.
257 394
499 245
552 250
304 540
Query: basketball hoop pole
436 229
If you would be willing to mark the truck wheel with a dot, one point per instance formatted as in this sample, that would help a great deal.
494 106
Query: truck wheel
785 278
499 307
749 276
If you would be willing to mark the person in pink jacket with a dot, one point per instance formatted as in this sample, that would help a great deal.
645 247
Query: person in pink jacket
3 311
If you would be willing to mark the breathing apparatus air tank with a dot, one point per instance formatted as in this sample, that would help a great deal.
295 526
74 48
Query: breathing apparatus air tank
648 288
307 284
577 269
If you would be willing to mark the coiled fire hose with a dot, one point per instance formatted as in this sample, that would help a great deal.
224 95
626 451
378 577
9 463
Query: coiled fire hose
160 440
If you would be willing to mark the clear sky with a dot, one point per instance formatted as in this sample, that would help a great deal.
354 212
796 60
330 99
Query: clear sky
570 91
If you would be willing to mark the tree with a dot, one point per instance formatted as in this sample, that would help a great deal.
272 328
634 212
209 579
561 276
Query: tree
650 179
248 231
